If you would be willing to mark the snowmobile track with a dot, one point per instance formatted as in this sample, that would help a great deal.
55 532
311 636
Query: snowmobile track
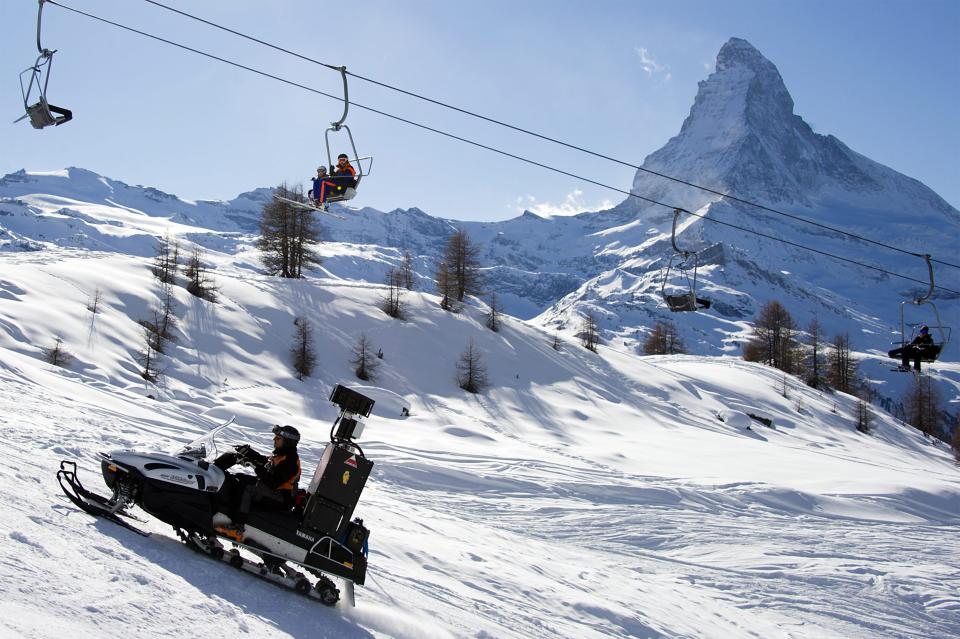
324 591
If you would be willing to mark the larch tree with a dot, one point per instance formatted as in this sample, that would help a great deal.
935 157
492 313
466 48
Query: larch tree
589 331
556 343
165 259
774 339
955 440
152 347
302 353
199 283
841 365
58 355
392 303
493 315
814 363
471 372
407 273
664 339
446 288
288 235
462 257
365 361
922 404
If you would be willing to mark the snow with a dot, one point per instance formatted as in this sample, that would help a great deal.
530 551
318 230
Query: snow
582 495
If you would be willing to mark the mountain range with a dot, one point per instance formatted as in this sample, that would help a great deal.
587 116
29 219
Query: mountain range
741 137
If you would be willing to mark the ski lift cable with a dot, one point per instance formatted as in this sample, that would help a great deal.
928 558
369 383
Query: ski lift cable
493 149
542 136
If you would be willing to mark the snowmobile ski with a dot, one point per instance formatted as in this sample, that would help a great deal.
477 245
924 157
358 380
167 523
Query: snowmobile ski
92 503
309 207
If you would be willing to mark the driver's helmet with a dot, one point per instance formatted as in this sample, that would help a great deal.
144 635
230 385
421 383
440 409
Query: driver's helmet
924 330
288 433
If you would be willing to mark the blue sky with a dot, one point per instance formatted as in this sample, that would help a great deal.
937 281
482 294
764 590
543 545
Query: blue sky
614 76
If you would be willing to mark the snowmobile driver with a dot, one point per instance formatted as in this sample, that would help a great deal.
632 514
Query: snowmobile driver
275 484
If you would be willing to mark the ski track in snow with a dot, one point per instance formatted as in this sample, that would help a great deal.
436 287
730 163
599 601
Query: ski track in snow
555 546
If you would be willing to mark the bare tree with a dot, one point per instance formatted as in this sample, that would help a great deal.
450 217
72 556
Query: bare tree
493 315
148 355
446 288
58 355
407 274
165 260
589 332
814 363
162 320
664 339
841 366
302 352
462 257
922 405
365 361
288 235
166 313
471 372
955 440
199 284
93 304
556 344
864 415
774 339
392 304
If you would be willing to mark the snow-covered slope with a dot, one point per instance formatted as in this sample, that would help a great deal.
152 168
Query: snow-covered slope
580 496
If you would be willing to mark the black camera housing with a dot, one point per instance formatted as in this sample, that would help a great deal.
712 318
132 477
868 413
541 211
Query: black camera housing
350 401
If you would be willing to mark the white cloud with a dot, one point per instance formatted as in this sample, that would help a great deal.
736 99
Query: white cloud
571 205
649 64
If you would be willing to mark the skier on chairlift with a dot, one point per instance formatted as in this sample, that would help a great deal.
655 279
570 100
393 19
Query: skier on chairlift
922 346
344 175
323 186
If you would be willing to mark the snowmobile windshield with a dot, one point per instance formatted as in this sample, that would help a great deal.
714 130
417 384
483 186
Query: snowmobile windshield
207 445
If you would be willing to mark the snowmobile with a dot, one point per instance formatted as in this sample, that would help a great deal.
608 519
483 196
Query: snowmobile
186 490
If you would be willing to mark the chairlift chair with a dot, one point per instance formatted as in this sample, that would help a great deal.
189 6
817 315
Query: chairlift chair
41 113
932 353
350 192
680 263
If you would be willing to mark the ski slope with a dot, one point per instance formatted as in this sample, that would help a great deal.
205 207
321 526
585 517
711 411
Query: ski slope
580 496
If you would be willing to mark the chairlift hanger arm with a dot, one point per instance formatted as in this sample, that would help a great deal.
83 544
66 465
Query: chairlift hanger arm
924 298
346 101
673 233
45 53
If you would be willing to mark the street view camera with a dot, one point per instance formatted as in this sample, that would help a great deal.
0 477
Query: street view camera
343 469
351 403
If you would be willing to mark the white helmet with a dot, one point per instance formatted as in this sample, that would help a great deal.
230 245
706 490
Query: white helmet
321 168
